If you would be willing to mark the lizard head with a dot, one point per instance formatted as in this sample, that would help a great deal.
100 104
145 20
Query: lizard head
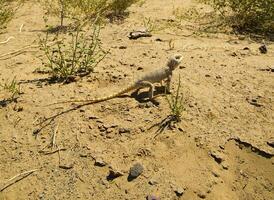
174 61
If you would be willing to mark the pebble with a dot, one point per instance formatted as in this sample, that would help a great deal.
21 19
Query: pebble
152 197
152 182
122 47
218 156
225 165
201 194
179 191
263 49
135 171
100 162
124 130
113 173
271 142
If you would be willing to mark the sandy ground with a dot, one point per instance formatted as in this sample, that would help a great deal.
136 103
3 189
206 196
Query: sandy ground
220 150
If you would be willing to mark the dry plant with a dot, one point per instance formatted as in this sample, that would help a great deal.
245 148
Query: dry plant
111 9
7 10
228 16
77 55
246 16
176 106
151 25
58 8
118 7
12 88
79 10
202 22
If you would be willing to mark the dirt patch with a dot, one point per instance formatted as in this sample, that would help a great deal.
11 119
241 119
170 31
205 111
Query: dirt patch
228 94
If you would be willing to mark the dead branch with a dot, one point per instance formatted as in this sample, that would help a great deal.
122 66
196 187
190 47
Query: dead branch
16 179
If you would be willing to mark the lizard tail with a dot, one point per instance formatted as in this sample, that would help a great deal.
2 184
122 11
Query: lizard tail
100 99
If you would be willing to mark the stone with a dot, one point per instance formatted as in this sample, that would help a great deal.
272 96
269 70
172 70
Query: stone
100 162
152 197
135 171
179 191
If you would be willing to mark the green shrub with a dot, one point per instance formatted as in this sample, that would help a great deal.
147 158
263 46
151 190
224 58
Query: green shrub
176 104
6 12
103 8
255 16
13 89
118 7
58 8
74 56
86 9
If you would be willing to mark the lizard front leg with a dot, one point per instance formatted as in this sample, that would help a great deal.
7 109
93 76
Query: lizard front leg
168 82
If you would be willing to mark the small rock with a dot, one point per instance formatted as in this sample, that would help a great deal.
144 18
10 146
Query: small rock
271 142
216 174
100 162
234 54
179 191
225 165
218 156
263 49
201 194
68 166
241 37
18 108
93 117
114 173
122 47
135 171
158 40
152 197
152 182
83 155
124 130
218 77
140 68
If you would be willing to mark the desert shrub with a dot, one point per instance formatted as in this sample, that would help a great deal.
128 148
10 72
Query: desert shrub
79 10
11 88
247 15
110 9
176 104
74 54
7 9
118 7
90 8
58 8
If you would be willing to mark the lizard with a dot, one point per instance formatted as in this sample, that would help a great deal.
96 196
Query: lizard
146 81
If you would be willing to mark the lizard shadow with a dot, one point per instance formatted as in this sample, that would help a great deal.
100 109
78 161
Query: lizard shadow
143 97
140 97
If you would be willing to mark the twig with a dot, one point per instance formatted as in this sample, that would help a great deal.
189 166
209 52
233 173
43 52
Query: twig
17 178
7 40
53 139
21 27
19 51
52 152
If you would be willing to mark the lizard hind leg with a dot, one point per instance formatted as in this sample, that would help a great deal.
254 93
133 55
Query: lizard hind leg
148 84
